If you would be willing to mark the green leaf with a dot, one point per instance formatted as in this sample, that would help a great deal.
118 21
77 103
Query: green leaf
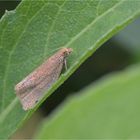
30 34
106 110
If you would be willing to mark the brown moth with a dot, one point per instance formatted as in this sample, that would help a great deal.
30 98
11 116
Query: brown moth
33 87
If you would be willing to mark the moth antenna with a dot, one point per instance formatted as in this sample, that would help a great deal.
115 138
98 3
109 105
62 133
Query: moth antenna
52 51
56 49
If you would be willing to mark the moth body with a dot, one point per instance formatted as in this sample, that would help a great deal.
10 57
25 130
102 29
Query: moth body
33 87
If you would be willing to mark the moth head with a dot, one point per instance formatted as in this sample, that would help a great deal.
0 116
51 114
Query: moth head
67 51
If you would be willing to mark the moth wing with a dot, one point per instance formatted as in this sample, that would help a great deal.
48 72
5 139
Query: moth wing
38 75
30 99
30 81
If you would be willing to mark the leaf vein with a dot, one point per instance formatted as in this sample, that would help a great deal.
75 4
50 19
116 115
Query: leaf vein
91 24
11 53
87 27
51 28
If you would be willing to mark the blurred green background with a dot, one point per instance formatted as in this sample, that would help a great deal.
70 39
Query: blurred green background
116 54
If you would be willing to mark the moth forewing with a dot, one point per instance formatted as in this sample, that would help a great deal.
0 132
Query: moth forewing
30 100
33 87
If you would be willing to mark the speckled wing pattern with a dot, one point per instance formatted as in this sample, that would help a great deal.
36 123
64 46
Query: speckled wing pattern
33 87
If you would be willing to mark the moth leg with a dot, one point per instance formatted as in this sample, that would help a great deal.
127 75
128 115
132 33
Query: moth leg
65 64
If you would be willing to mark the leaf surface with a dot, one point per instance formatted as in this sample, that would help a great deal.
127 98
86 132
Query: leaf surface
108 109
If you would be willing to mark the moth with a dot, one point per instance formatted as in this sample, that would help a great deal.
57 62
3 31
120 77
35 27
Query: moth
33 87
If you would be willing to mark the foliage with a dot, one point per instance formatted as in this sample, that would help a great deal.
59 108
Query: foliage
31 32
